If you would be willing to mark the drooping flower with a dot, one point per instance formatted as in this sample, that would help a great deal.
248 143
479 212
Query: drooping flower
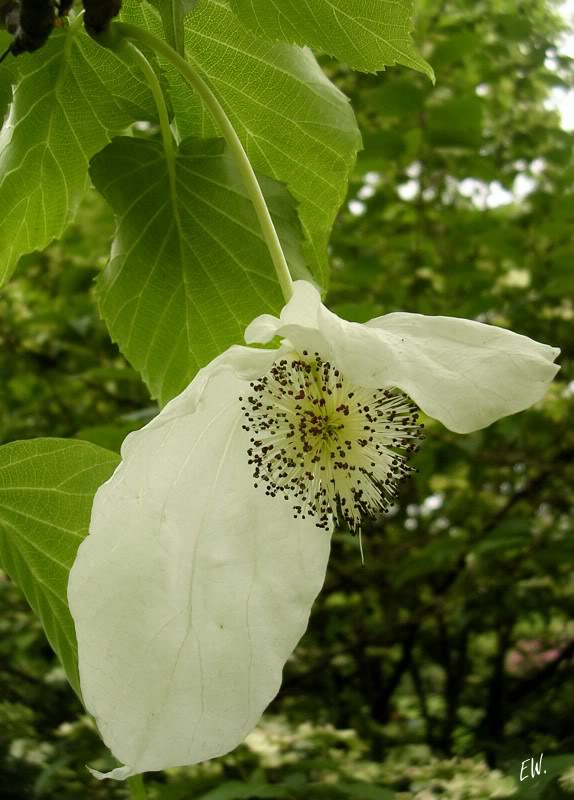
330 448
209 544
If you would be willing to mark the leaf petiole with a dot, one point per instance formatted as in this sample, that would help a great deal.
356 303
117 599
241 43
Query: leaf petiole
156 90
236 149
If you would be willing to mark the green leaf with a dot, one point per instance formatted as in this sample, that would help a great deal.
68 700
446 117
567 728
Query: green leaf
46 491
507 538
457 122
189 268
172 14
396 98
380 148
295 125
365 34
456 49
110 437
559 270
514 27
71 97
434 558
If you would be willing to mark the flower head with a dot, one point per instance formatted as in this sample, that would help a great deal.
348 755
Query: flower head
209 544
335 450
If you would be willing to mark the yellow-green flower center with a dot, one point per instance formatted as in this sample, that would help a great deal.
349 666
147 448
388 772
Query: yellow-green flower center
335 450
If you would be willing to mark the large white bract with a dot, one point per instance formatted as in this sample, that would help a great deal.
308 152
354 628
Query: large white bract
209 544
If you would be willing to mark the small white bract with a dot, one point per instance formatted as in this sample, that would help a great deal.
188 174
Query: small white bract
326 445
194 586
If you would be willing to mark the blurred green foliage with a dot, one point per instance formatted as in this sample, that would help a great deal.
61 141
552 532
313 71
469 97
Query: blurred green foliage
444 662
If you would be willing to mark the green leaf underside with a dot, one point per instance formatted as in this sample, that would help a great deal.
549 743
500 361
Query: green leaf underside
71 97
295 125
47 487
189 267
364 34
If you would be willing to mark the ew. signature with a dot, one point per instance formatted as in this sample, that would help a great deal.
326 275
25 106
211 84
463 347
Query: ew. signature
535 768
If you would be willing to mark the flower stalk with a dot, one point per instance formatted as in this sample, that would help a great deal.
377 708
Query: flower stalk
191 75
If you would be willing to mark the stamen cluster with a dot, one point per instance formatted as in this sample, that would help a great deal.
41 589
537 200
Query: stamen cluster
331 448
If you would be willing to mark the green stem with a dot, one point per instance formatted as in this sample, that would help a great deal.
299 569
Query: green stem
162 111
191 75
137 788
73 28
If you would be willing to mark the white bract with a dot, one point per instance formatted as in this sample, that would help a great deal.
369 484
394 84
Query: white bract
209 544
